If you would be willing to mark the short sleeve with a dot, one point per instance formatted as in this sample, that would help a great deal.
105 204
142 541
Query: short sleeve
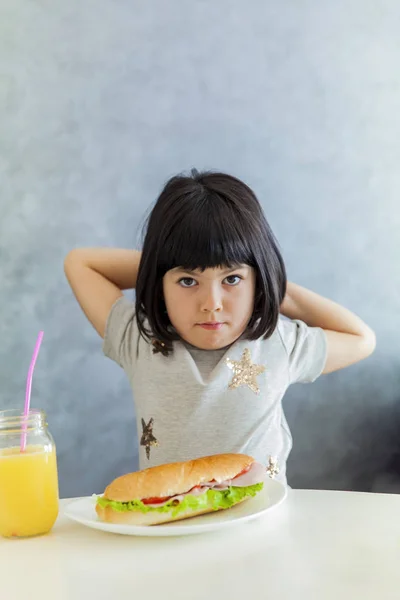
121 333
306 348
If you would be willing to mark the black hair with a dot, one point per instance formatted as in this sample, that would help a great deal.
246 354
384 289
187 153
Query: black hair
207 220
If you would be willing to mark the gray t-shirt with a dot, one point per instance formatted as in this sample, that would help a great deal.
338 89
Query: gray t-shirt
196 402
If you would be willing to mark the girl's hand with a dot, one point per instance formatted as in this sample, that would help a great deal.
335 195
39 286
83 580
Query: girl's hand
97 276
349 338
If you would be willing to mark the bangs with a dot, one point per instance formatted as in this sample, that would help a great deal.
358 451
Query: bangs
207 235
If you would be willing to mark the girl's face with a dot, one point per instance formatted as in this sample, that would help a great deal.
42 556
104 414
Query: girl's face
210 309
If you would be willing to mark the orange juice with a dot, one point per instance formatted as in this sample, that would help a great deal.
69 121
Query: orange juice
28 490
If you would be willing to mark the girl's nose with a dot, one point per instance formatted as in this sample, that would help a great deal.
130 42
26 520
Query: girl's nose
212 301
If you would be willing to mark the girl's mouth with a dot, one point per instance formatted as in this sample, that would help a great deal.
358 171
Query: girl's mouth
211 326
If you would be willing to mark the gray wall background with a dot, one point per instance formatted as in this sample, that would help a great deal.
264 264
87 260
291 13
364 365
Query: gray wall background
101 101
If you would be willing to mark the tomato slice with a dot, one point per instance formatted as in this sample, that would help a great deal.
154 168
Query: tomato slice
155 500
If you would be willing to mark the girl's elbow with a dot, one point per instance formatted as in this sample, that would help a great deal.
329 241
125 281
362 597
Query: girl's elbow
368 343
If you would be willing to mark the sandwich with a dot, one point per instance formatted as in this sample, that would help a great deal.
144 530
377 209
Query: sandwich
181 490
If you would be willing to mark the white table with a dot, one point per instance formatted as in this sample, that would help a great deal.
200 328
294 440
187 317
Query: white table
317 545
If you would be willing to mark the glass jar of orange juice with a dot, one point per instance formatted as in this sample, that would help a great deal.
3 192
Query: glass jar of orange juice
28 475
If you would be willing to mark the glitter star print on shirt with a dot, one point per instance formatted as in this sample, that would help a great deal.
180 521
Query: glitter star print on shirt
245 373
148 439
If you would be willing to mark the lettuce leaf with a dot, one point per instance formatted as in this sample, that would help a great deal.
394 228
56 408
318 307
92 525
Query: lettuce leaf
213 499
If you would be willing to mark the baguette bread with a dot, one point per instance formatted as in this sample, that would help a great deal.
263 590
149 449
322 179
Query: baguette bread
166 481
176 478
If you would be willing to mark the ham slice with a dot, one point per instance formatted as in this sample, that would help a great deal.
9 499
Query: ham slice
256 474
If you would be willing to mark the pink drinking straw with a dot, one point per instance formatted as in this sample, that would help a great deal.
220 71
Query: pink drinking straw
29 389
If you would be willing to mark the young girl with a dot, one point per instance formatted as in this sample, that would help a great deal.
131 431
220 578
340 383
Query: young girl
207 353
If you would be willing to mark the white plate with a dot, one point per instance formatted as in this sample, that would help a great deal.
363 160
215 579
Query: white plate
83 511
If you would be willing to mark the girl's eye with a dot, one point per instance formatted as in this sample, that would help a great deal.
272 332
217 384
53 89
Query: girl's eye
233 279
187 282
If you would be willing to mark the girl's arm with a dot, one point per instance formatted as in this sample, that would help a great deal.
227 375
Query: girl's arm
349 338
97 276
